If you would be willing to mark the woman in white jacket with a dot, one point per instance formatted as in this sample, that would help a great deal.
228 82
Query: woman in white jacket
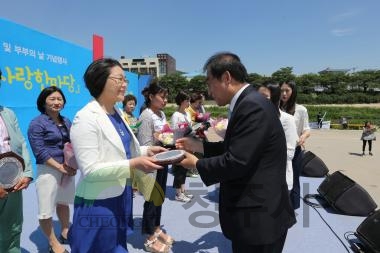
288 104
109 158
289 125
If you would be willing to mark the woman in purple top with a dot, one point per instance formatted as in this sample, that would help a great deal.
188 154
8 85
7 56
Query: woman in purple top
47 135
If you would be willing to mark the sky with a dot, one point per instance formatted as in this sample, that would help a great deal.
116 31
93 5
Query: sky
308 36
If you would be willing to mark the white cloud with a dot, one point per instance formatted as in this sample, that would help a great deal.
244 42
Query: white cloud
345 15
342 32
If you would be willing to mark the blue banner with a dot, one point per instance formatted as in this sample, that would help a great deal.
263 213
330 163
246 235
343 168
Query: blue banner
31 61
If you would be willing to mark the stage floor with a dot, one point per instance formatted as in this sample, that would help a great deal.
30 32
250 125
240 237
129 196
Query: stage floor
195 225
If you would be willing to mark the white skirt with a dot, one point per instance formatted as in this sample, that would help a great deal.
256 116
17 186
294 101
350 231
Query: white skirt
51 192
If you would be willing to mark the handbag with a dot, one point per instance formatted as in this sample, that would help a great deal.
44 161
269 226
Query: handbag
69 160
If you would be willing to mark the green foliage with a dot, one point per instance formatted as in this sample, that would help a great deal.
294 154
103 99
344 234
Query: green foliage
175 83
355 115
283 74
198 84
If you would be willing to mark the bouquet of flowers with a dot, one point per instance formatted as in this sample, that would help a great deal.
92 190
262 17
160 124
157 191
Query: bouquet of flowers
181 130
220 126
166 136
202 117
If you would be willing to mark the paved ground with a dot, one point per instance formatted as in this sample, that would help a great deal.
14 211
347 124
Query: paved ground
341 150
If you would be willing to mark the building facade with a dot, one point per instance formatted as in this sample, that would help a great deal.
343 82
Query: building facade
158 66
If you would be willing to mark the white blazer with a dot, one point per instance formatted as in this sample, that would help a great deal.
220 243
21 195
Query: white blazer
100 154
289 126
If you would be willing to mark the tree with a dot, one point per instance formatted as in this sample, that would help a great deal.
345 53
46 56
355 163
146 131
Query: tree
367 79
283 74
309 83
335 82
198 84
175 83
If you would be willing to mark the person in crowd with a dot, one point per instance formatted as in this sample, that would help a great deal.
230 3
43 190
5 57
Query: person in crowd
195 104
153 121
109 157
11 207
196 100
344 122
319 119
273 92
181 122
129 105
47 134
250 164
288 104
264 90
201 107
368 135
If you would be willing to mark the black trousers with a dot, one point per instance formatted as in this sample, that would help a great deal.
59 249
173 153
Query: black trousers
369 145
152 214
275 247
295 193
179 176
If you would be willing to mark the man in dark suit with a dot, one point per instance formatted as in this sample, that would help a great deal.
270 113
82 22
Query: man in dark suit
250 164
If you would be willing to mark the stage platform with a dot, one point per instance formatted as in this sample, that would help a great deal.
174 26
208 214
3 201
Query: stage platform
195 225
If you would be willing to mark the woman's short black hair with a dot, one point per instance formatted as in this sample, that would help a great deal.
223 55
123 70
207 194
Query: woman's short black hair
195 97
97 73
41 100
152 89
129 97
181 96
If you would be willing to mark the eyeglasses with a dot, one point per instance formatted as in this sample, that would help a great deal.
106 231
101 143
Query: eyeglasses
119 80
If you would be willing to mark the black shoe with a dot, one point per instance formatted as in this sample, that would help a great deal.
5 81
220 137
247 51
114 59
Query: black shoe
63 240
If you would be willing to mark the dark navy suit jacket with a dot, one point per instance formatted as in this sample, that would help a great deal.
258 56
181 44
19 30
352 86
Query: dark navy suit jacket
250 165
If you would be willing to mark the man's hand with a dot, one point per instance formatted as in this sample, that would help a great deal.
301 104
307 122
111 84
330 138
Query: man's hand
189 162
190 144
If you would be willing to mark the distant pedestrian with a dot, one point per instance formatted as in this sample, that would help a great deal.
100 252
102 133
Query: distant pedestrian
319 119
368 135
344 122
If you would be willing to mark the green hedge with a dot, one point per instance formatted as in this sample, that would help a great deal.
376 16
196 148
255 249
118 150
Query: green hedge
354 115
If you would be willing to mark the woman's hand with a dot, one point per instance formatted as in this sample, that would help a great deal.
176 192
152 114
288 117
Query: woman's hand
189 162
67 170
144 163
303 137
152 150
23 183
189 144
3 193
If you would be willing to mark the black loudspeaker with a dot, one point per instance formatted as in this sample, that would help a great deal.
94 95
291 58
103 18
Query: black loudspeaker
312 165
346 196
368 233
